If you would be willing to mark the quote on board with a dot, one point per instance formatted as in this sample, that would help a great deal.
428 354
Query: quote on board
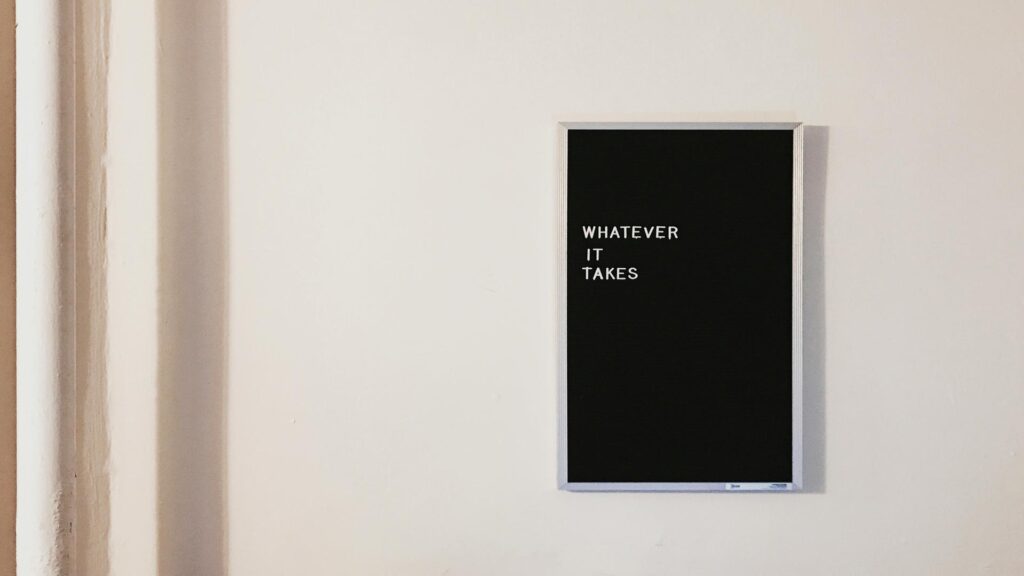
602 266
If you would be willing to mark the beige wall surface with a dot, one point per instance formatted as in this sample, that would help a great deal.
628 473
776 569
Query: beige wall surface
353 303
7 421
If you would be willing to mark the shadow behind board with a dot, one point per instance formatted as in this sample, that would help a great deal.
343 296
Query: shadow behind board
680 359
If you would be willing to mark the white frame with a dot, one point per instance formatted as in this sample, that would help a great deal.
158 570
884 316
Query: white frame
797 346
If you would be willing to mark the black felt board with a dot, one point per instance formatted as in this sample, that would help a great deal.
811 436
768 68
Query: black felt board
683 374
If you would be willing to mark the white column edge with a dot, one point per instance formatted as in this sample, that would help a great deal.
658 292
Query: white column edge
45 287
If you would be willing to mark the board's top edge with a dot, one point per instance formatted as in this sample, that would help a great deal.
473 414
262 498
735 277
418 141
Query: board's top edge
680 125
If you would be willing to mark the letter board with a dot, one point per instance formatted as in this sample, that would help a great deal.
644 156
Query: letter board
680 307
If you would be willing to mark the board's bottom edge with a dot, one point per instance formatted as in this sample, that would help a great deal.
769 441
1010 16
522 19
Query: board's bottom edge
679 486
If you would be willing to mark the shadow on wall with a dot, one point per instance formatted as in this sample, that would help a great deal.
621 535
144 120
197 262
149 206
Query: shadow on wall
92 439
815 179
193 277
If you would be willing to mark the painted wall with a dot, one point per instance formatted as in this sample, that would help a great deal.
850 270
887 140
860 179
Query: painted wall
338 220
7 316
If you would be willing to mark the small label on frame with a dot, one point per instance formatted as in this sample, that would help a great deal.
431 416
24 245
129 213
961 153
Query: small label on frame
757 486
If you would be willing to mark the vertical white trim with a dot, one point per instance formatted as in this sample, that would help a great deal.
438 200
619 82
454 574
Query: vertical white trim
562 225
132 286
45 286
798 307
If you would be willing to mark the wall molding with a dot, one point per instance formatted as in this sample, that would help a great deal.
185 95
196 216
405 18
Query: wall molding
45 252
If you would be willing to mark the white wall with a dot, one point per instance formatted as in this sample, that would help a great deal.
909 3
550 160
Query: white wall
381 366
